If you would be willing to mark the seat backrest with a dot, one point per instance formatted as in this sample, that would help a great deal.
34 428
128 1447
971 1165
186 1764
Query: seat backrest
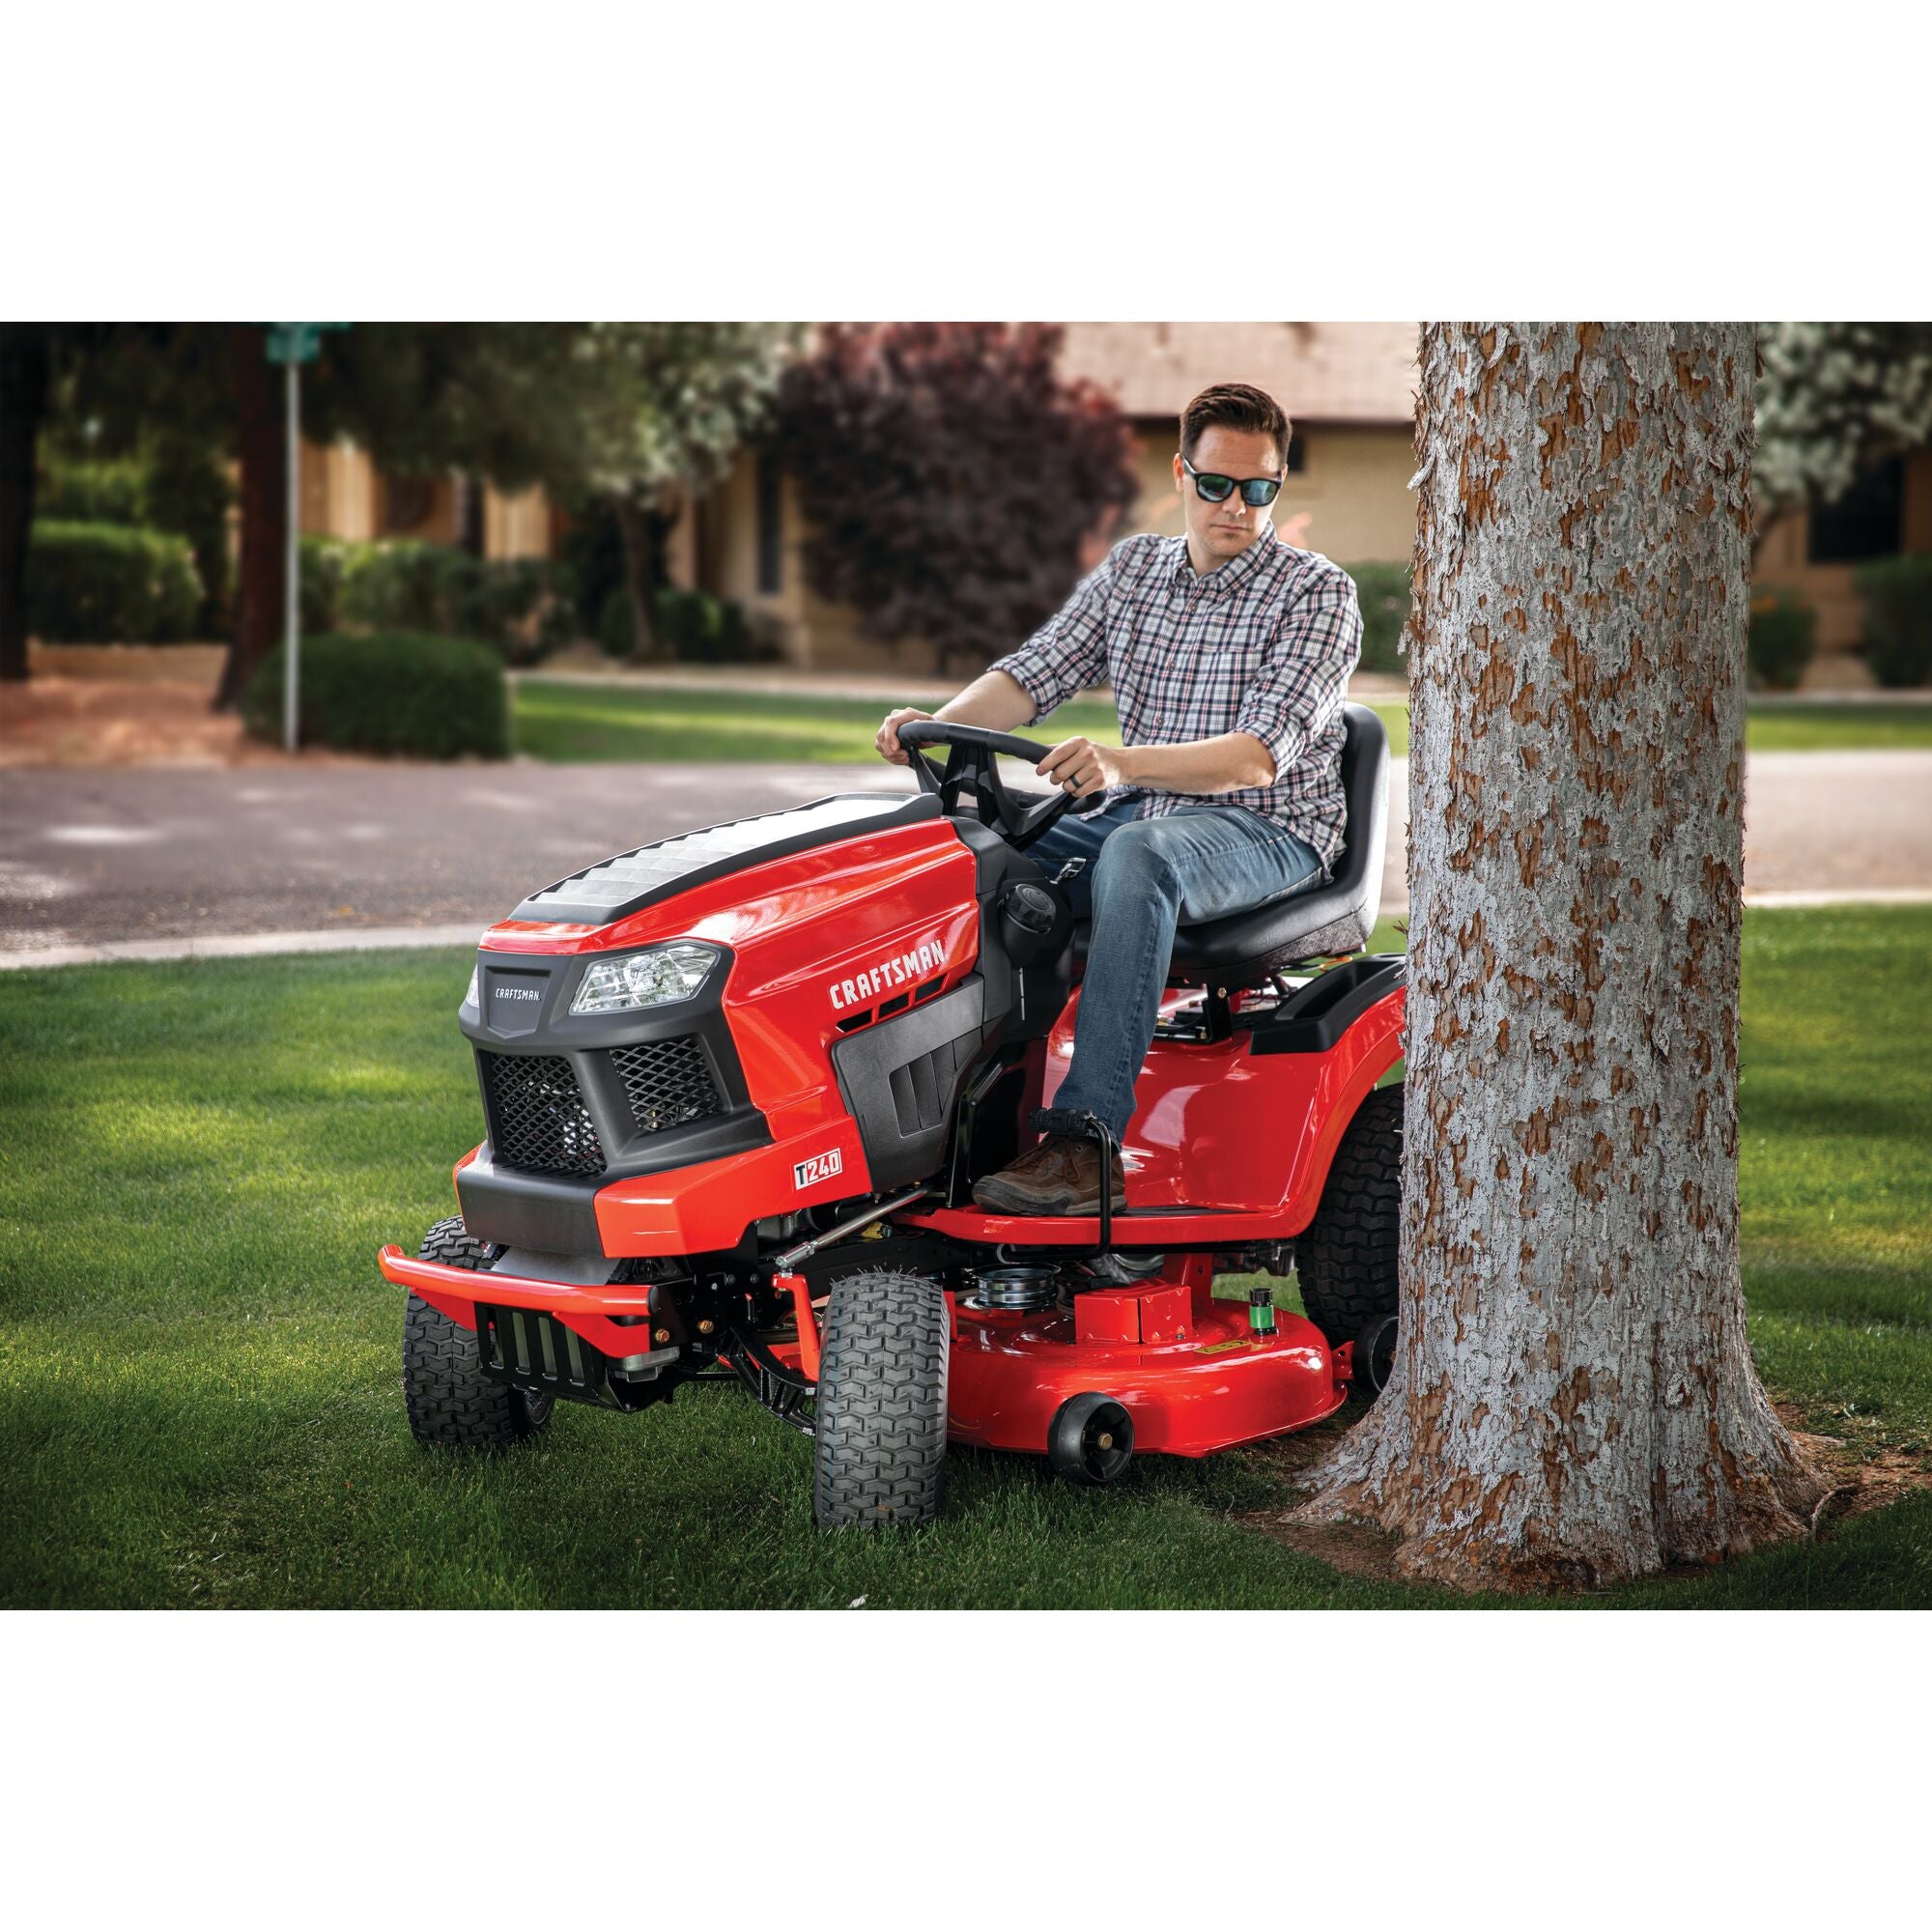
1243 947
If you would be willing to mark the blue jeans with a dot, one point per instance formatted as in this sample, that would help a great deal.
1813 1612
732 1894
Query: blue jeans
1139 878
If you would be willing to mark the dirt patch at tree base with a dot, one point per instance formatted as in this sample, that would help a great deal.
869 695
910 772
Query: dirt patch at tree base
1858 1482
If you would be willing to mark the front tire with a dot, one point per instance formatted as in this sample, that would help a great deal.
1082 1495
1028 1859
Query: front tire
879 1440
451 1402
1346 1261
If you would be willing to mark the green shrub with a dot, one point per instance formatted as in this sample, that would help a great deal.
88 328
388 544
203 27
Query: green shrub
1384 591
616 627
113 491
177 484
110 584
325 563
426 696
695 627
525 606
1783 637
188 494
592 550
404 584
1896 593
522 606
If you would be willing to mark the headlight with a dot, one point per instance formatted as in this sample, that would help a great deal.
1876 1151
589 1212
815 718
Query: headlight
653 978
475 994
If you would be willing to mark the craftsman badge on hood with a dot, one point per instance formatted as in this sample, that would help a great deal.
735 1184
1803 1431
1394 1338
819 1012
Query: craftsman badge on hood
902 969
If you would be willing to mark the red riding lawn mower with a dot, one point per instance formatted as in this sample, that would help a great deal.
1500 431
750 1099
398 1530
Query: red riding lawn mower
738 1086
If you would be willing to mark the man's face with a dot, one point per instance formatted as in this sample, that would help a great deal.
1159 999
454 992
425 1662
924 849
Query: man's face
1218 531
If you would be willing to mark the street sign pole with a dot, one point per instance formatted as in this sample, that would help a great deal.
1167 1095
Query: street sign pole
292 344
291 651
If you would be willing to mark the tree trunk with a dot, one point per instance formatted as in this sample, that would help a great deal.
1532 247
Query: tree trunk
1573 1399
471 535
640 576
262 438
23 401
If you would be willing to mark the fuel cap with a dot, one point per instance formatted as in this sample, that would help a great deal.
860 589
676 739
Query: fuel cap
1031 907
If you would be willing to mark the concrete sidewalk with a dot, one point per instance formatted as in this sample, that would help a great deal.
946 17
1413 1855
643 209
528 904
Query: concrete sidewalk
158 863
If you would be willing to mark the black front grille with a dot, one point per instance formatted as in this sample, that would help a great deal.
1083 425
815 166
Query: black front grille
536 1351
667 1082
537 1117
531 1350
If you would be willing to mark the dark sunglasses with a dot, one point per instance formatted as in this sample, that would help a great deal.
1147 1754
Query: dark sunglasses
1255 491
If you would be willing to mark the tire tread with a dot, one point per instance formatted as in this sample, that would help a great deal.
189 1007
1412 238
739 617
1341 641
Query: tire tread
879 1448
1347 1262
451 1402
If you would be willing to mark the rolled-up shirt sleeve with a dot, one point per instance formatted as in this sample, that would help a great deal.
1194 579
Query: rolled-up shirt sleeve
1304 677
1068 652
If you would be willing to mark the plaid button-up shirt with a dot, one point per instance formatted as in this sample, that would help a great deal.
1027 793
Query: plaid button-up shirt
1262 644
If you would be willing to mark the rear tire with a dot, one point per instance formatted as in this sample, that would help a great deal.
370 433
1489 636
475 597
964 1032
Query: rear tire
879 1441
1346 1261
452 1403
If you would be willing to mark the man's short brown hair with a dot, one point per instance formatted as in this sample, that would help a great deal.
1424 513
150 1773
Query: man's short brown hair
1234 406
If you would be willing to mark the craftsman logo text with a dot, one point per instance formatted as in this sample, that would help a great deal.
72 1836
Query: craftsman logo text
902 969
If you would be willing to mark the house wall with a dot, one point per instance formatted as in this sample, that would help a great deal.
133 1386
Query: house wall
809 631
1351 502
344 495
1782 563
516 524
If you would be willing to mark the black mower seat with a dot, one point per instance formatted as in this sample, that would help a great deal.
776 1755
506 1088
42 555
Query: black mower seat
1244 948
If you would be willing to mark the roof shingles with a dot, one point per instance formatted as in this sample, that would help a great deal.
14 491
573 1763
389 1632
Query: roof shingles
1362 372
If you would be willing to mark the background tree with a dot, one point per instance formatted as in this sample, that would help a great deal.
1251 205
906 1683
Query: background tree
1573 1399
198 391
260 420
670 401
951 476
25 375
624 413
495 401
1834 398
35 357
159 395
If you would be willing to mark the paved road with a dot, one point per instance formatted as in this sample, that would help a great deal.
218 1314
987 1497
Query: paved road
93 858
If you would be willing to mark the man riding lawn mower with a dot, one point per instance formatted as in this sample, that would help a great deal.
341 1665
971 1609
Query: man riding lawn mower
762 1100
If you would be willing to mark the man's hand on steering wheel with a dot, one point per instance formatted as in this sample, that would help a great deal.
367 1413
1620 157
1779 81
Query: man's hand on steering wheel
1083 769
888 741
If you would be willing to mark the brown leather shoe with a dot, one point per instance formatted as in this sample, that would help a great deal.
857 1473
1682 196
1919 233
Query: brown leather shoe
1061 1175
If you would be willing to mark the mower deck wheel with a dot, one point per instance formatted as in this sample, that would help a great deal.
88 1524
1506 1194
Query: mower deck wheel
1374 1355
1090 1440
879 1426
452 1403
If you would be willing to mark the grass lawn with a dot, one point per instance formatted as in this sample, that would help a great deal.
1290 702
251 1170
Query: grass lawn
571 720
199 1399
1839 727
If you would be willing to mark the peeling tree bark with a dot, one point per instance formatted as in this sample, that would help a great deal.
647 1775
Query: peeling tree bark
1575 1401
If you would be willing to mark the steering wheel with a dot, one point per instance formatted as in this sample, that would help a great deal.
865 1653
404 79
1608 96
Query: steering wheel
972 771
